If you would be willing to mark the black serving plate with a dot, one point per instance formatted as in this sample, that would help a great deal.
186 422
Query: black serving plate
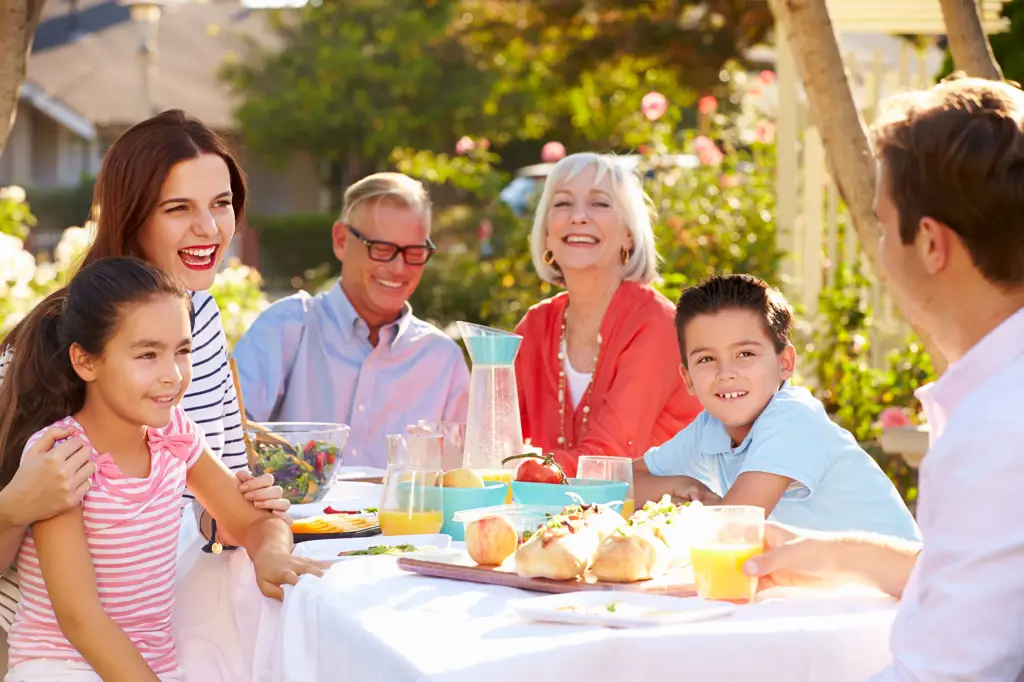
365 533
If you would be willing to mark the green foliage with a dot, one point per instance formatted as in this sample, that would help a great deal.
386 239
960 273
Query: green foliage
56 208
353 79
718 219
15 216
239 295
294 248
589 63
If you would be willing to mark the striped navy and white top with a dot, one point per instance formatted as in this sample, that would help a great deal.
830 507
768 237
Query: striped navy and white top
210 402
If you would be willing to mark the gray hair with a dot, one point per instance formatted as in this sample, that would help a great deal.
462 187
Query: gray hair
629 198
396 189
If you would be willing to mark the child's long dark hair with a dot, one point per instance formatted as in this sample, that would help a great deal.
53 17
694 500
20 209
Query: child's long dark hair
40 386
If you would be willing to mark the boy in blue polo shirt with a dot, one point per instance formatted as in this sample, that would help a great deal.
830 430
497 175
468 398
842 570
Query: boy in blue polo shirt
760 441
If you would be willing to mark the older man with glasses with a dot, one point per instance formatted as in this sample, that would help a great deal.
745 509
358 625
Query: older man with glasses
356 354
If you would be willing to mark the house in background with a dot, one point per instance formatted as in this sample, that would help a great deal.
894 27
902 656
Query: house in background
85 87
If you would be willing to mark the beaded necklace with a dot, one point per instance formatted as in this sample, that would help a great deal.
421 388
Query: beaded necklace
562 386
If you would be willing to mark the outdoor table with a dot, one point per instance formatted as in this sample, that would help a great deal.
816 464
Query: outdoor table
366 619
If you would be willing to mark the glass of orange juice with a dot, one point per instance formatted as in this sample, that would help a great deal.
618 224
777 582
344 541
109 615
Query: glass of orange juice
606 468
412 502
724 537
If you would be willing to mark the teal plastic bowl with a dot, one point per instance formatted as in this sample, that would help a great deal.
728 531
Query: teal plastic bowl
592 491
460 499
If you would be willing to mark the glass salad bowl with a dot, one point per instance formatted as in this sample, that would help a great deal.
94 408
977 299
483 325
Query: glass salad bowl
302 456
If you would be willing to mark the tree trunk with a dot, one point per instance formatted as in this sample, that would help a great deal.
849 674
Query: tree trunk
967 40
843 131
18 21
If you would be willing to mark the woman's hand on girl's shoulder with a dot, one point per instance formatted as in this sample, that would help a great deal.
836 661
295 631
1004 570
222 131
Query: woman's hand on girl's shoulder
274 569
53 477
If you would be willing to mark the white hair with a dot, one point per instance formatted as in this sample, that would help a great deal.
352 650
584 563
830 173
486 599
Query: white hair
628 197
396 189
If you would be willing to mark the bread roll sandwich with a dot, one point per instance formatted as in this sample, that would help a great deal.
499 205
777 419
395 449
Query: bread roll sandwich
648 547
564 547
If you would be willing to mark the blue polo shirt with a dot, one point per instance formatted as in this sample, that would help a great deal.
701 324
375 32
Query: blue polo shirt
836 485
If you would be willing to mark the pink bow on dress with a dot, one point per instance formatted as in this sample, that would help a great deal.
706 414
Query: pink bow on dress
178 444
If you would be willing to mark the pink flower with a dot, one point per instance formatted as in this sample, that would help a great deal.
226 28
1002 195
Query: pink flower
767 77
552 152
654 105
643 149
756 90
765 131
894 417
465 145
707 151
707 105
703 143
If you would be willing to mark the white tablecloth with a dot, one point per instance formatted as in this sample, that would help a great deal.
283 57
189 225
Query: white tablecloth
218 606
367 620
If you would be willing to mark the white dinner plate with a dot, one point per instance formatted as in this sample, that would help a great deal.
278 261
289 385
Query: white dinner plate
327 550
619 609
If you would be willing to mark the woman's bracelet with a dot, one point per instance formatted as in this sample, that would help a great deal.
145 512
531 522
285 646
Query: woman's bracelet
213 546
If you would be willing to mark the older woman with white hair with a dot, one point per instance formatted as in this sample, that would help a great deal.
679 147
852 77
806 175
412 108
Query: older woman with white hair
598 370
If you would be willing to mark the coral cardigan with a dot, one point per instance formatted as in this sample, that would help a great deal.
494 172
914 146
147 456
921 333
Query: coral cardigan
638 399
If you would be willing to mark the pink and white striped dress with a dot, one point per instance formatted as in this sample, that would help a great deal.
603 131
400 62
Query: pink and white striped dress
131 525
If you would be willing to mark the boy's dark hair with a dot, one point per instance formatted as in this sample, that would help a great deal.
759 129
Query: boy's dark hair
41 387
955 153
729 292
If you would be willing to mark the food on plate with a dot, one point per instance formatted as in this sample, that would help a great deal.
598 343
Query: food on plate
650 545
301 472
462 478
331 510
537 468
332 523
382 550
564 547
616 607
491 539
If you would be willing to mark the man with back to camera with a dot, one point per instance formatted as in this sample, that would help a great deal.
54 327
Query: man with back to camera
950 204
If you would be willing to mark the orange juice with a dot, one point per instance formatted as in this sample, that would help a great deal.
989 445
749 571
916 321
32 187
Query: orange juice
718 571
396 522
628 507
502 475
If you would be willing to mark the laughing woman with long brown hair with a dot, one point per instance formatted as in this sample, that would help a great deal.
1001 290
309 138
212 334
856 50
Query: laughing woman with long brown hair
171 193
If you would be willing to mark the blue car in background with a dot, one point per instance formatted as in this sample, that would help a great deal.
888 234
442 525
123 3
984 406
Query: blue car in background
522 193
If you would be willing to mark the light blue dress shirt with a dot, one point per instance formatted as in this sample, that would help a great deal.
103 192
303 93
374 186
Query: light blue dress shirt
836 485
309 358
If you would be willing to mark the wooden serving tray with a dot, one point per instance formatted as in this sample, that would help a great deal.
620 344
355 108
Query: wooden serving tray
678 584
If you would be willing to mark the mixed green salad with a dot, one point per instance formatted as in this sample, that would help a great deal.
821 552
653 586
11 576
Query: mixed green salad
381 550
302 472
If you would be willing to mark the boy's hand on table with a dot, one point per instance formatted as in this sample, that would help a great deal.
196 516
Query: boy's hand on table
691 490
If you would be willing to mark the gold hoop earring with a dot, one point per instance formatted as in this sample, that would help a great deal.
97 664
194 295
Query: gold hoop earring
625 256
548 257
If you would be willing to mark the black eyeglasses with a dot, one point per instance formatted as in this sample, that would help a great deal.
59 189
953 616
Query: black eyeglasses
385 252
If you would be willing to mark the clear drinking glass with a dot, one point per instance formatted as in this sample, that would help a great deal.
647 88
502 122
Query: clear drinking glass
453 443
412 502
417 449
724 537
606 468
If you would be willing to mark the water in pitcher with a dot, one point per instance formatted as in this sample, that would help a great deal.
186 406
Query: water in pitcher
493 429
